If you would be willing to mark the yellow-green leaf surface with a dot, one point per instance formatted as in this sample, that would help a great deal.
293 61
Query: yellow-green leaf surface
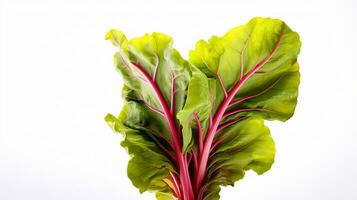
242 48
142 127
270 93
198 102
246 145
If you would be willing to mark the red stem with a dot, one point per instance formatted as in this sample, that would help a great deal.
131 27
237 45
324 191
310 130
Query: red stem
199 133
195 160
215 144
174 180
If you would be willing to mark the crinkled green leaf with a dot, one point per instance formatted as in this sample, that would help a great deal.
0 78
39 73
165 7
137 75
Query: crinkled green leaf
148 164
278 80
246 145
142 127
270 93
149 51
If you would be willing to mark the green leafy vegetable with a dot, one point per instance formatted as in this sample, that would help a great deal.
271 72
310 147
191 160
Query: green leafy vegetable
194 126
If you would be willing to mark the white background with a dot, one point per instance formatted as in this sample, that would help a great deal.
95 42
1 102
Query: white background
57 82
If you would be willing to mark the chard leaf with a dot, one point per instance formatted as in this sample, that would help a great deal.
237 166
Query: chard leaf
271 90
154 75
254 68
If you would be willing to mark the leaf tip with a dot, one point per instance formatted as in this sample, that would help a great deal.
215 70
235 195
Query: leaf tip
111 121
116 37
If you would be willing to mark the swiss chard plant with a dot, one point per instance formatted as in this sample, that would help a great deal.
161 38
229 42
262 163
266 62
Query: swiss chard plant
193 126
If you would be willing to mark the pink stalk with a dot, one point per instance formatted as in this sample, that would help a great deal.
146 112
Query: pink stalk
195 160
215 144
188 158
199 132
176 184
222 109
201 192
